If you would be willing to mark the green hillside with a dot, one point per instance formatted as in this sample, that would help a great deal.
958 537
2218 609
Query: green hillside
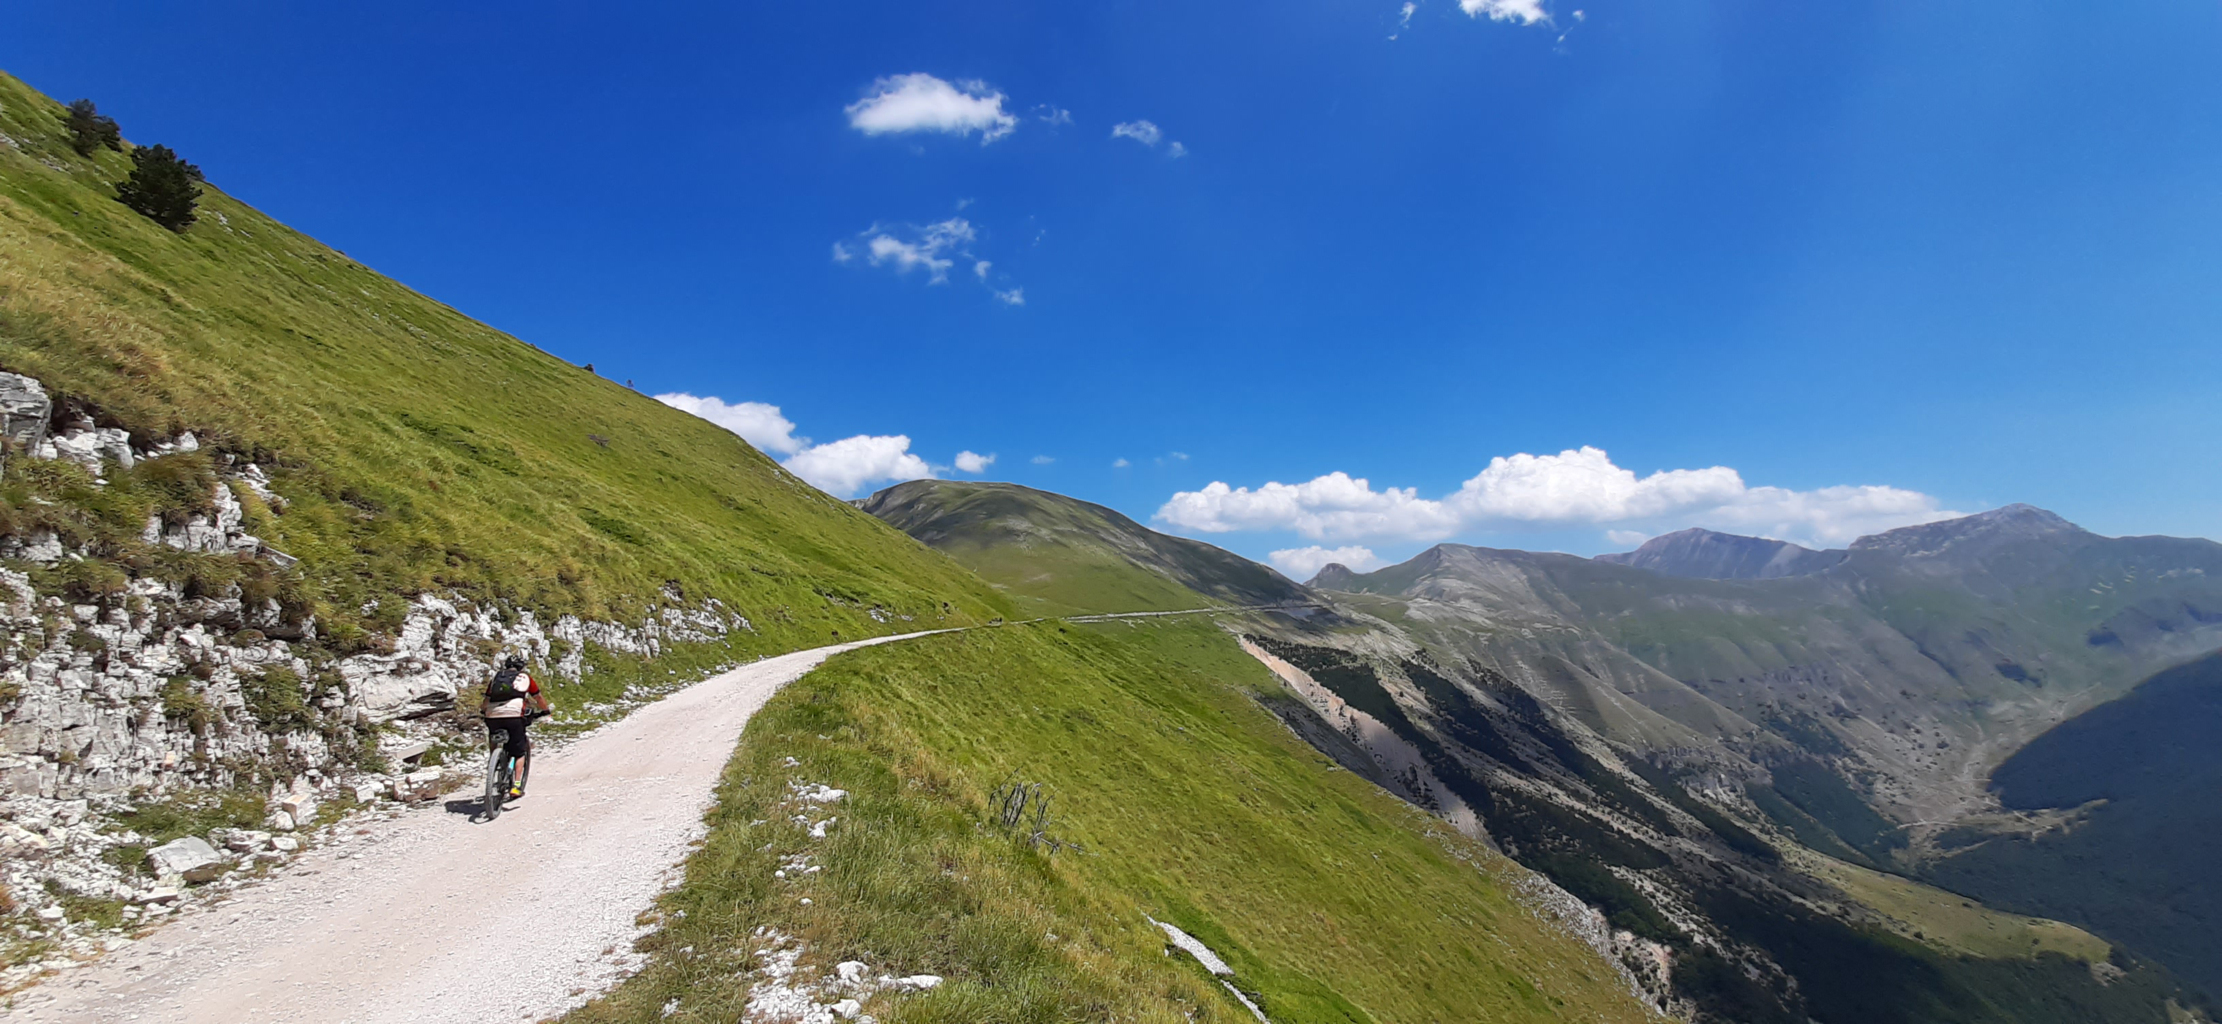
1058 555
1188 802
416 449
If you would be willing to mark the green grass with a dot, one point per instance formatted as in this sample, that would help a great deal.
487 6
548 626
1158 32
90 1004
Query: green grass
1950 921
416 449
1060 556
1188 802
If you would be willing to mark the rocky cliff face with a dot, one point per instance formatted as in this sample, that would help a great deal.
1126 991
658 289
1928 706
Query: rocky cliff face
160 688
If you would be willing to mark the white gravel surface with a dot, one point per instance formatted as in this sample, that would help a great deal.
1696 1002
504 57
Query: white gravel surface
428 916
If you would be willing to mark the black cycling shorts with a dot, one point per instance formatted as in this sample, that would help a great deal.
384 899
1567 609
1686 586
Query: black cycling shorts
518 745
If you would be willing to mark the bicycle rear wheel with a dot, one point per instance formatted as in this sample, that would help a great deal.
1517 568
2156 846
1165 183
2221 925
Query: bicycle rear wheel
497 782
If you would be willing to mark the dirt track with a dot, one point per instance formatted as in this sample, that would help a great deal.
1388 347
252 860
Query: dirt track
399 922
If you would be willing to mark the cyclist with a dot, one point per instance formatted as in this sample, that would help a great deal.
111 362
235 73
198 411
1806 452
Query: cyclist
513 700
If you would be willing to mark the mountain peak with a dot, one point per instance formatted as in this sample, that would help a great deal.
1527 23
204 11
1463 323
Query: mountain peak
1698 553
2016 522
1332 576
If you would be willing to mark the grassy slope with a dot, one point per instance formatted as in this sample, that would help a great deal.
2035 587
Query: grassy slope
1949 921
1057 555
1332 900
420 450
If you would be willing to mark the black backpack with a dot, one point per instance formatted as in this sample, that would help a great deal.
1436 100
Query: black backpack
504 686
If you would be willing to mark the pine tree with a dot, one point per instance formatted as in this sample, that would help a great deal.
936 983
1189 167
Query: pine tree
89 129
162 186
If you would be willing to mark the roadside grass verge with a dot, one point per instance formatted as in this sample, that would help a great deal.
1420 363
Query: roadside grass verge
1186 801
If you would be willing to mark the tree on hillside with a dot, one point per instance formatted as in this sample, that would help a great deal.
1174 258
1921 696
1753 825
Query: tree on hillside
162 186
89 129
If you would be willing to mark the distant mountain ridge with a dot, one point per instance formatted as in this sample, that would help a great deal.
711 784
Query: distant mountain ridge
1704 554
1064 555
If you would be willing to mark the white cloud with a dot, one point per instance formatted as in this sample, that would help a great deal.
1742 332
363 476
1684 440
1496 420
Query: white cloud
1404 17
840 467
1305 563
1054 116
1576 486
1120 463
1144 132
935 248
922 103
845 466
758 423
1176 151
1627 538
1526 12
932 248
1042 460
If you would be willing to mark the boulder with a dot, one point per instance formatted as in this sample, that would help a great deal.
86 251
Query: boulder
422 784
24 411
245 841
190 858
366 793
280 821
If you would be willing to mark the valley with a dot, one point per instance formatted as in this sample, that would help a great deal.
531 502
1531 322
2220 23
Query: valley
268 517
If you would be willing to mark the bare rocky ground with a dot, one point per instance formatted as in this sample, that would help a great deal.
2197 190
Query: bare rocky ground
425 915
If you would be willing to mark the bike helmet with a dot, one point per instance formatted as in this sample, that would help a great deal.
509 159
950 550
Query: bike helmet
515 661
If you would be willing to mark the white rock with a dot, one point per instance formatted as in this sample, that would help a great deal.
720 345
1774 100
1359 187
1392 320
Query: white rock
851 971
280 821
422 784
847 1009
366 793
246 842
285 844
190 858
918 982
51 915
158 895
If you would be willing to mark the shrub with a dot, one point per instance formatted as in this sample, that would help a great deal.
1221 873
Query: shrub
89 129
162 187
276 698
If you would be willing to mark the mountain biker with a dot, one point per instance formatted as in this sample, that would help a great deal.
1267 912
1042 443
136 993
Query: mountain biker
511 715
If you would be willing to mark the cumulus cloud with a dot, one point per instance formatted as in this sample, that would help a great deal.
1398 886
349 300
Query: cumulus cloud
758 423
843 467
840 467
1305 563
1574 487
1144 132
1525 12
1009 297
920 102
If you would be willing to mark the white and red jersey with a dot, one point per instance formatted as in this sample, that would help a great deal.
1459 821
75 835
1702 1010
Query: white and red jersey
515 708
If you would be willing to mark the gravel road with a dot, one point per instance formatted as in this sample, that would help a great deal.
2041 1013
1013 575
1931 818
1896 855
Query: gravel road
427 916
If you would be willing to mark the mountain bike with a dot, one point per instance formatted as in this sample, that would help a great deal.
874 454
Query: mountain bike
503 770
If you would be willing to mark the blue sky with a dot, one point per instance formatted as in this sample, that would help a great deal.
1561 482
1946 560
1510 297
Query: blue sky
1797 269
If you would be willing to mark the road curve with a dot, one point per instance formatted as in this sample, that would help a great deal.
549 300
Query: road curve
398 922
